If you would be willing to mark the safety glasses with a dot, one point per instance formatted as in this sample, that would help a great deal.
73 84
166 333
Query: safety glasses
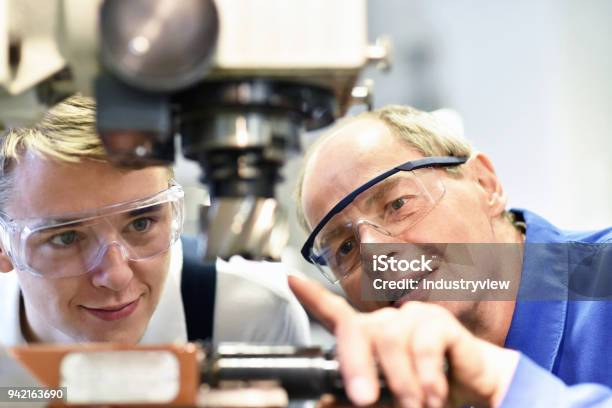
75 244
388 204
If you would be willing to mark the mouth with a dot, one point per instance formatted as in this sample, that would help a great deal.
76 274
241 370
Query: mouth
113 312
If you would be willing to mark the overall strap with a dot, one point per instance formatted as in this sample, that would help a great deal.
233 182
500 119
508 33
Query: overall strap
198 288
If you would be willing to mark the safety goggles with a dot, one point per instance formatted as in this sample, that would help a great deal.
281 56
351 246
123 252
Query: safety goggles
389 204
75 244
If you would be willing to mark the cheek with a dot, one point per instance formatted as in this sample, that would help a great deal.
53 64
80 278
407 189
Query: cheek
351 285
357 294
152 274
49 296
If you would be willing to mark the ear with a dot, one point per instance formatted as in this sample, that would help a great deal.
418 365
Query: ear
484 174
5 262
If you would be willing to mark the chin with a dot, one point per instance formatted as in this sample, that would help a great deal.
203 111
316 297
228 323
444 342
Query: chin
115 336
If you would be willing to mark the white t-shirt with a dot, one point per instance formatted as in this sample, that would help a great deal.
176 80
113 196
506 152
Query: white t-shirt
253 304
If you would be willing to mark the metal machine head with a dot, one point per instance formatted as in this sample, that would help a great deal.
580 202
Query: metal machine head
237 84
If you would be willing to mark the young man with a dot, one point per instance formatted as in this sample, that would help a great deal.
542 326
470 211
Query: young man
91 252
397 175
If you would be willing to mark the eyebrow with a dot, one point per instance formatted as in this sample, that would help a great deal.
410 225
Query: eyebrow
381 189
333 234
145 210
58 222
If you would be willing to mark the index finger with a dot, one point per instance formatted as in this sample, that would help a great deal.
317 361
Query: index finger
327 307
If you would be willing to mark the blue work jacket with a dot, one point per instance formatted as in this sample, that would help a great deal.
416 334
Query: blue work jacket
562 322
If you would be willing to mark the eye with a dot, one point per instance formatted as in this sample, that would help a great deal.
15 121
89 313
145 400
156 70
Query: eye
346 247
399 208
141 224
64 239
397 203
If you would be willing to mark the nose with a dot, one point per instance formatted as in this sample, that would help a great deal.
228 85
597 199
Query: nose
368 233
112 270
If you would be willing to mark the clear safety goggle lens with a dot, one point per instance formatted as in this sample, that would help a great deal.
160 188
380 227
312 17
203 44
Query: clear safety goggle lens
77 247
387 209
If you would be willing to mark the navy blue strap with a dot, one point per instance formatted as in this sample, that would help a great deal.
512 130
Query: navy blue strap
198 288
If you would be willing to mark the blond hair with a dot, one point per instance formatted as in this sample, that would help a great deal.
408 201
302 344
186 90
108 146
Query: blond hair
419 130
66 133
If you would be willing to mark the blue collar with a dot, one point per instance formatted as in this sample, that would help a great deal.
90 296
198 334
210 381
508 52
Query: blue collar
537 325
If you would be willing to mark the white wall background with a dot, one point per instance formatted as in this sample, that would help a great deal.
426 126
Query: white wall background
533 82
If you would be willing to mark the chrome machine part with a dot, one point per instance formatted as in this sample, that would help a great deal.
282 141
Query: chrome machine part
237 80
241 133
161 45
303 372
249 226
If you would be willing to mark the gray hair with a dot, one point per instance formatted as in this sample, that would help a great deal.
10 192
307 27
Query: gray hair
418 129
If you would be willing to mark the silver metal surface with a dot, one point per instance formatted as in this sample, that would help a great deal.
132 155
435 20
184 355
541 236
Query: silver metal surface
279 363
12 374
159 45
256 228
248 129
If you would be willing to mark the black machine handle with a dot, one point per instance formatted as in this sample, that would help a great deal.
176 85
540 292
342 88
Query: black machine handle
303 372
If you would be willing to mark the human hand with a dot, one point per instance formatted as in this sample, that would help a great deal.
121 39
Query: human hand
410 345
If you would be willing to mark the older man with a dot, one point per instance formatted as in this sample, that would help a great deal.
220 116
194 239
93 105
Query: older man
398 175
90 252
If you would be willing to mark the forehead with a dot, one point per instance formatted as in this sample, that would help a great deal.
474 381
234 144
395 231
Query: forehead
349 157
44 187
